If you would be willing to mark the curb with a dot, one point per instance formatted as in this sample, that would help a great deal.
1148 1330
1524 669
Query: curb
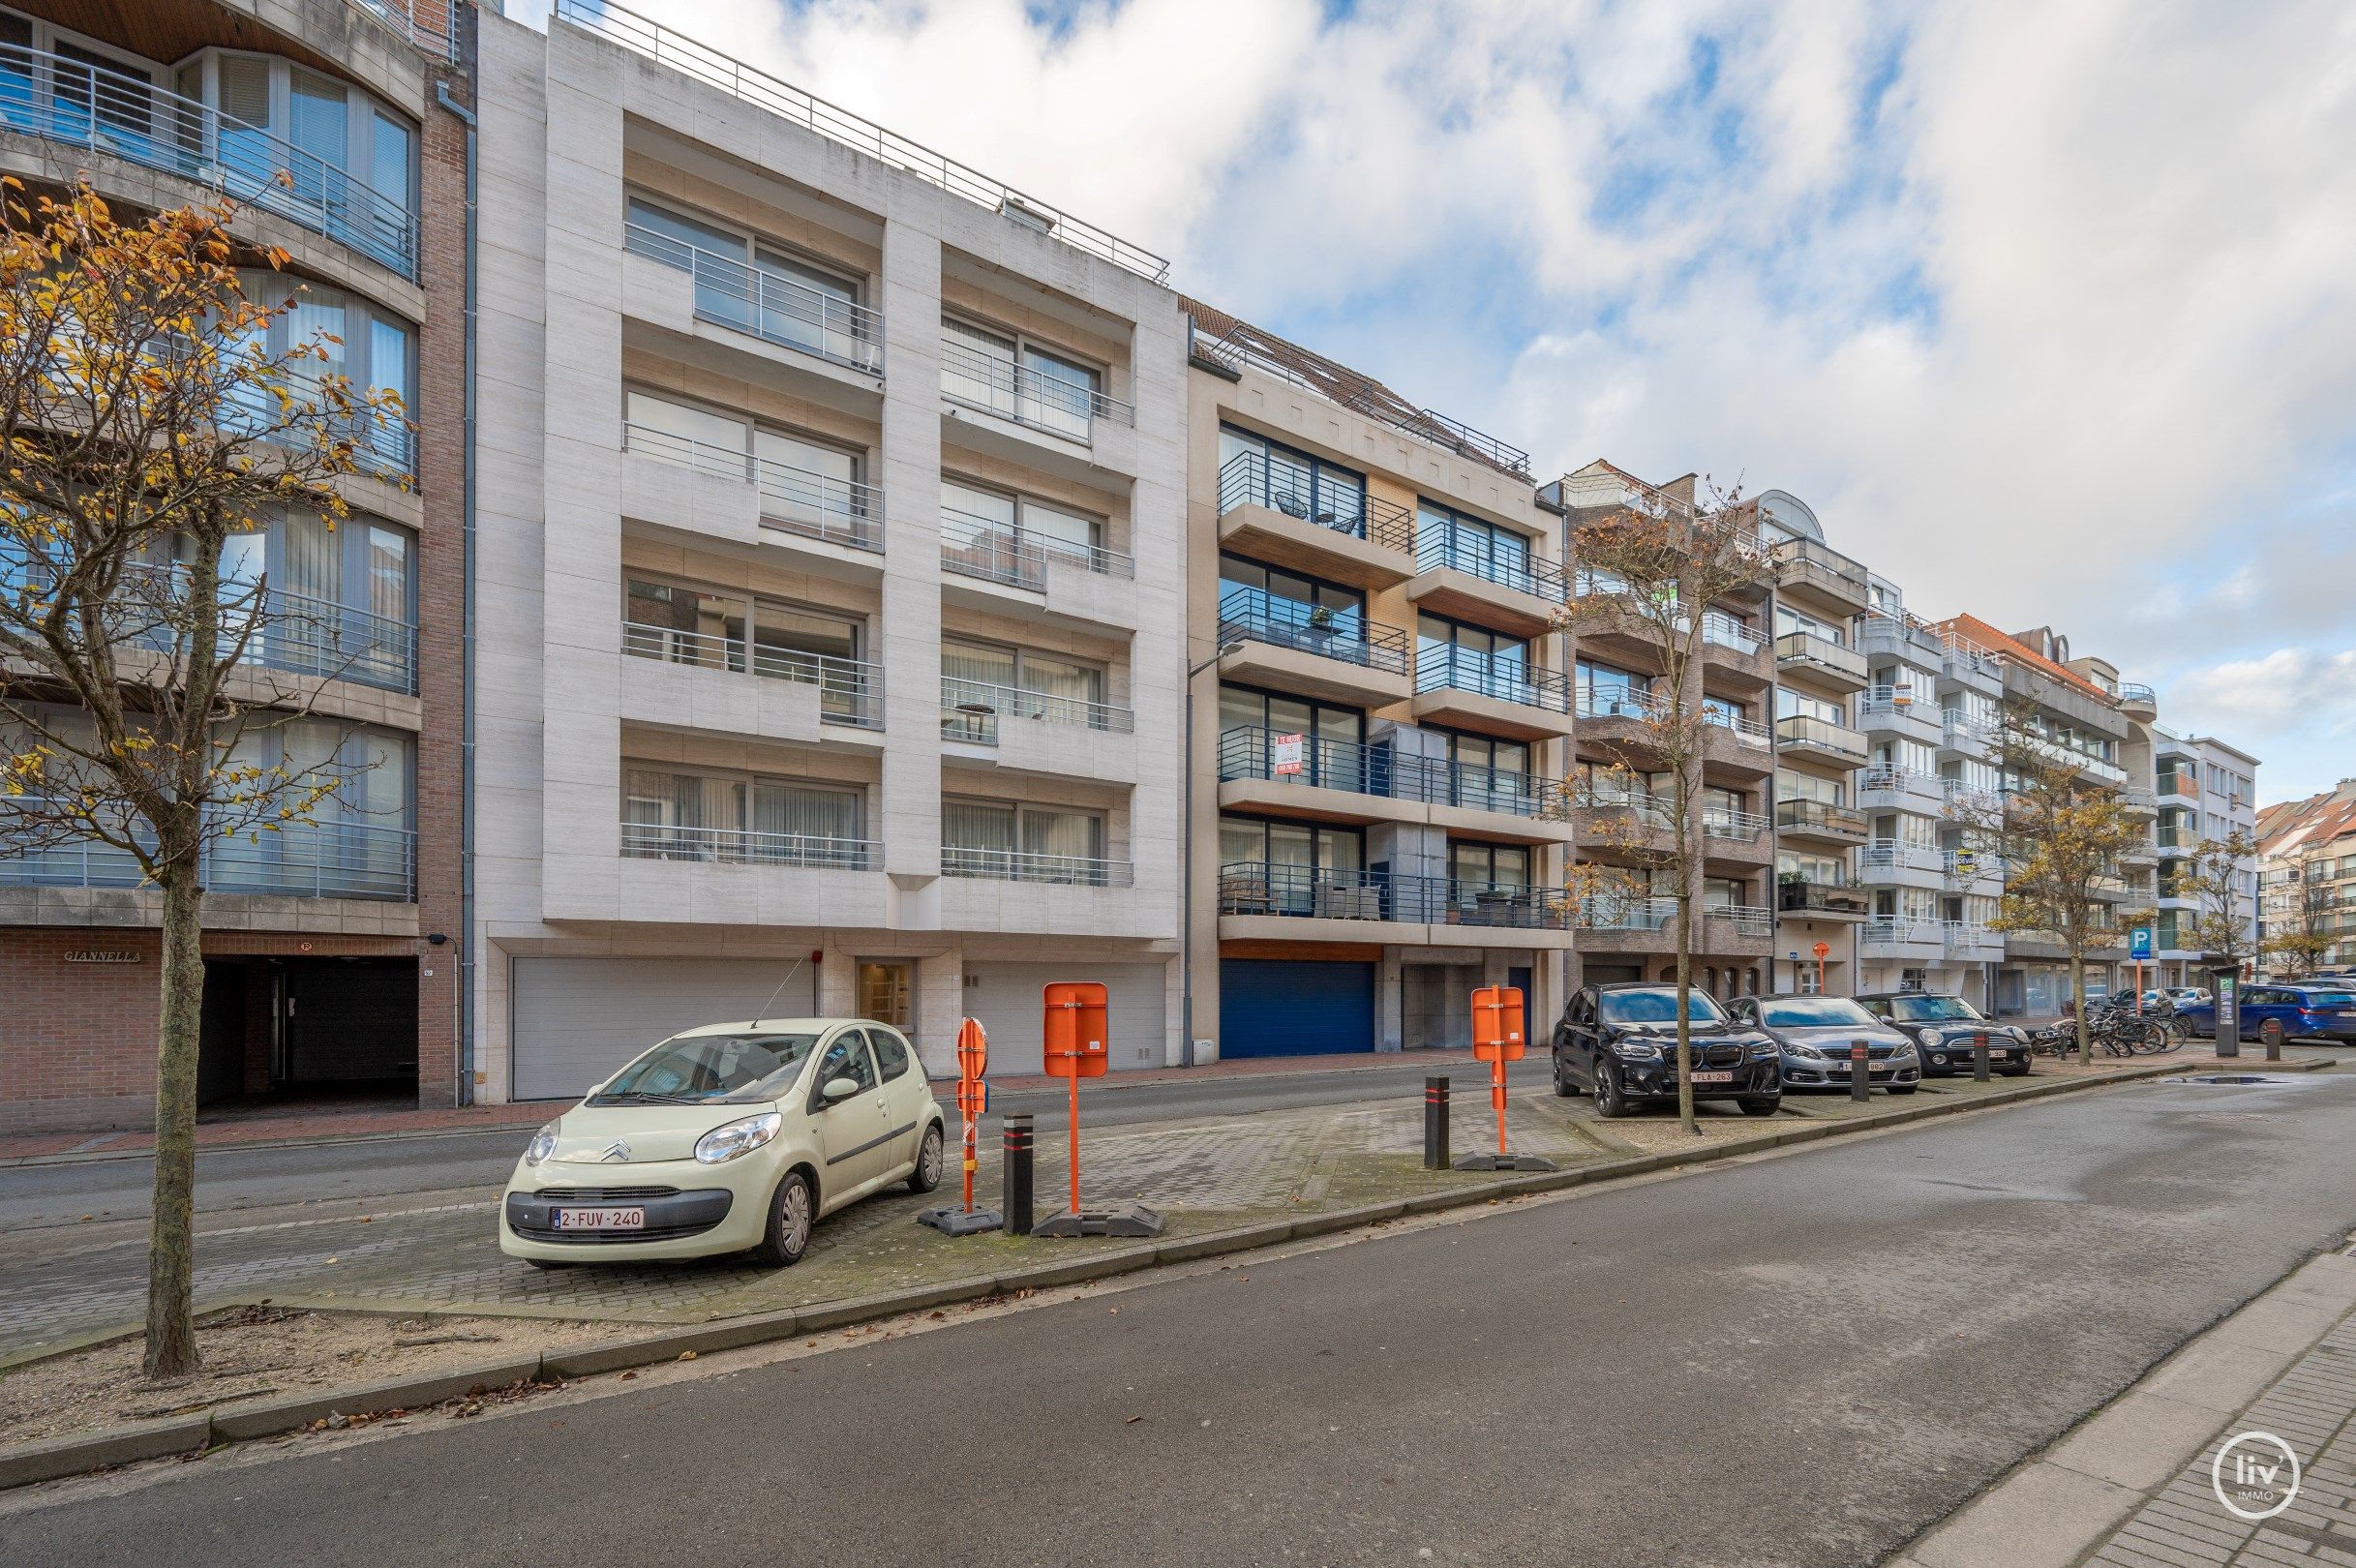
29 1463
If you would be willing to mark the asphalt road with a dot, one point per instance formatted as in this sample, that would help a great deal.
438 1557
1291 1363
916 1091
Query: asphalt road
230 1180
1800 1360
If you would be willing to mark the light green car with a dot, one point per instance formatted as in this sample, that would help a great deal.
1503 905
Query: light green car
729 1138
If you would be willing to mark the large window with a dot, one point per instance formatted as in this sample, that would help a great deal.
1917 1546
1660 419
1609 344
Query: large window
1501 866
1009 375
681 623
808 484
984 684
373 349
1291 868
1023 842
1606 691
1489 551
745 820
339 602
1332 740
1002 534
1257 472
1471 658
754 287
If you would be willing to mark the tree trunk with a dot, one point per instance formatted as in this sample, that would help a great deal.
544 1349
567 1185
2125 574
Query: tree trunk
2078 996
171 1327
1685 1116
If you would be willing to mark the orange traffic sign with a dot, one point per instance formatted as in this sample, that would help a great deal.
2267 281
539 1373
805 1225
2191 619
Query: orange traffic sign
1824 951
1076 1030
1498 1023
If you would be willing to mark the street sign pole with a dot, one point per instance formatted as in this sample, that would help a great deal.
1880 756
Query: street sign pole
1074 1035
1496 1040
973 1098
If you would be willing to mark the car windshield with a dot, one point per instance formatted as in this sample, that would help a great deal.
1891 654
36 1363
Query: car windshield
695 1069
1658 1007
1931 1008
1812 1012
2329 999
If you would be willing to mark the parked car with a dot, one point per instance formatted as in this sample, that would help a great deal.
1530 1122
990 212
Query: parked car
2327 1011
735 1137
1619 1043
1942 1027
1816 1034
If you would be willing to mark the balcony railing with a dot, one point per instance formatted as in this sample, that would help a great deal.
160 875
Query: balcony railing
1638 808
1455 669
739 846
383 440
1743 827
850 691
1805 730
87 106
1818 817
1027 865
1747 732
1249 479
1820 898
1257 616
2134 694
1439 547
974 379
758 88
1962 867
1621 703
334 642
778 310
1607 911
1804 560
1900 931
971 711
1253 753
1805 648
1891 854
1966 936
1001 552
2139 799
431 25
322 860
1313 893
1747 920
1962 797
1722 630
1885 779
1962 729
1891 703
817 506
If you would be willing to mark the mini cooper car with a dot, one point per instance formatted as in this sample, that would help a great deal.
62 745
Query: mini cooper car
1943 1028
1619 1043
729 1139
1817 1033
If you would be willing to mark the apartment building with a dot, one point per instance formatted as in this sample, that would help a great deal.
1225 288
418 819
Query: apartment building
2308 877
1619 678
1824 896
2204 790
1379 712
329 961
831 589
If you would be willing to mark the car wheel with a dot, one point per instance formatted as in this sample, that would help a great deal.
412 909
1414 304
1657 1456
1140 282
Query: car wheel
1610 1102
1762 1107
1564 1085
791 1214
549 1264
1902 1088
927 1174
2020 1071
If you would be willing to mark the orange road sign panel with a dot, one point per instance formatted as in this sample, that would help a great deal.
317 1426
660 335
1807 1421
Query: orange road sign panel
1077 1034
973 1050
1497 1033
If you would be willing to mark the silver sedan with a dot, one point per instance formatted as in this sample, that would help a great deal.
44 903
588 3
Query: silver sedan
1817 1034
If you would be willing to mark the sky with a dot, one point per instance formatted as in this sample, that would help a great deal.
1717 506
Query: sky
2046 308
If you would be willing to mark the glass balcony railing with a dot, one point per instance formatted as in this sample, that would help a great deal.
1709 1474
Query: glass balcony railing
1252 479
1722 630
1747 920
774 309
817 506
1801 731
1805 561
1804 651
1806 897
1608 911
1802 816
299 859
1255 616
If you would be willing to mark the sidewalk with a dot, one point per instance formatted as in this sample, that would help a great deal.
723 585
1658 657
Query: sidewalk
298 1127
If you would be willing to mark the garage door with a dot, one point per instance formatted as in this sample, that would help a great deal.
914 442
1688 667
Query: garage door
1004 998
1272 1006
577 1019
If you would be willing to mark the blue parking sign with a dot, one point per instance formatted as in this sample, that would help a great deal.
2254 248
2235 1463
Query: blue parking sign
2139 945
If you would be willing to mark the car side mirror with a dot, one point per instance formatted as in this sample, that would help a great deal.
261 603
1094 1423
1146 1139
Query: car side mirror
840 1089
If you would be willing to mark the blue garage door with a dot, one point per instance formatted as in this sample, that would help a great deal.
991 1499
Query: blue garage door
1270 1006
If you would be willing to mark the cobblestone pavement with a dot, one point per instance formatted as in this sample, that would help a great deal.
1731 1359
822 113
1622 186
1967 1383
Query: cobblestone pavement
2312 1407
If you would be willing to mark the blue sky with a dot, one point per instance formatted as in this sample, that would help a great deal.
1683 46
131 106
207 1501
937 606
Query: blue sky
2049 311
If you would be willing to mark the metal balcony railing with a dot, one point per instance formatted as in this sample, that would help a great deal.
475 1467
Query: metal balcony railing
1722 630
1965 936
1804 560
1823 735
1607 911
1963 867
1893 702
383 440
1001 552
1442 547
1247 752
1891 854
1900 931
1027 865
1313 893
81 105
1748 732
334 642
850 691
1035 397
299 859
1747 920
1885 779
973 710
1808 649
1743 827
1619 702
1960 796
707 65
2134 694
1251 479
778 310
1818 817
1455 669
2140 799
816 506
1961 730
431 25
1806 897
740 846
1257 616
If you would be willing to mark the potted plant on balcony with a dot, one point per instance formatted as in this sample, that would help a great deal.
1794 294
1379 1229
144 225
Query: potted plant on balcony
1322 627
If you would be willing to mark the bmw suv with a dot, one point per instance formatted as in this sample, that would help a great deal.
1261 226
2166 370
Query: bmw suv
1619 1043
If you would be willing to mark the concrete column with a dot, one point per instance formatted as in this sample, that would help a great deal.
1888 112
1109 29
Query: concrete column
908 637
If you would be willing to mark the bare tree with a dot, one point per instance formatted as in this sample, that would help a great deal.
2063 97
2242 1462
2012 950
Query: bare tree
2060 840
1651 570
2212 878
147 423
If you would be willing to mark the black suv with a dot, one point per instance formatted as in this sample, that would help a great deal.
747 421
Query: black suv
1619 1043
1942 1027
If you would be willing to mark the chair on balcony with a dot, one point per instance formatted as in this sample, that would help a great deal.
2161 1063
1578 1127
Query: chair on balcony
1336 903
1243 893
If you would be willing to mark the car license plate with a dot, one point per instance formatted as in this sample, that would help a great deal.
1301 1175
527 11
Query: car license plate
1713 1078
601 1219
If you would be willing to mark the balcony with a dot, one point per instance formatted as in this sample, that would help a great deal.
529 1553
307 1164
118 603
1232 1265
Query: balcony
1960 868
1819 820
1902 711
2140 801
1279 514
1723 827
1732 740
1288 646
813 505
300 859
1257 891
1732 633
1011 390
1971 940
1479 691
780 311
1904 788
1964 665
1081 584
1039 732
429 25
1817 739
1901 936
1464 574
736 846
1822 660
1809 570
1024 866
1821 900
1887 862
2138 701
85 108
1604 913
1962 731
849 692
1960 799
1343 781
1733 926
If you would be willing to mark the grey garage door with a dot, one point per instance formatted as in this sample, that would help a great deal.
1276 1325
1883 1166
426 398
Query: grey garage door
1006 999
577 1019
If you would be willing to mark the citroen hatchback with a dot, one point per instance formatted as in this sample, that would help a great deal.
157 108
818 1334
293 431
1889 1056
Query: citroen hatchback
729 1138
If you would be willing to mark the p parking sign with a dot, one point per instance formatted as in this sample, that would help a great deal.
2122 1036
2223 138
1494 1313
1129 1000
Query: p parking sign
2139 943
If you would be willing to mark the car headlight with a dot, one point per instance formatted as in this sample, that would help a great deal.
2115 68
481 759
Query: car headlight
1903 1051
722 1144
1636 1050
1929 1038
2021 1036
1761 1049
543 1144
1808 1051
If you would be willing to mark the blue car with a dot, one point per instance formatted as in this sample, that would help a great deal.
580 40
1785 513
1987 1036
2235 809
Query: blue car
2325 1010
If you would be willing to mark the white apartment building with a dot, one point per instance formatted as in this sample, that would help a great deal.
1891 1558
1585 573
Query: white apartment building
2205 790
831 574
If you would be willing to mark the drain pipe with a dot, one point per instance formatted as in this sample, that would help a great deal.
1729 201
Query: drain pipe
467 957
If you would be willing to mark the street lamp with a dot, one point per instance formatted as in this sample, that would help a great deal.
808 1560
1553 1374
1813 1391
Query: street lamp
1186 862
